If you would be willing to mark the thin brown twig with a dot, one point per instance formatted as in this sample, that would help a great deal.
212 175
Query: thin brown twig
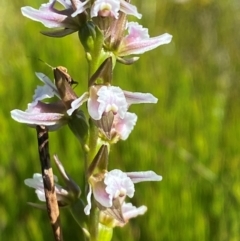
48 181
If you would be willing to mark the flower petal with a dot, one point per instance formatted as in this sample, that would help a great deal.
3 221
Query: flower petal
129 211
36 117
48 83
138 40
37 183
77 103
110 98
47 18
125 126
51 17
143 176
139 98
43 92
101 195
129 9
118 184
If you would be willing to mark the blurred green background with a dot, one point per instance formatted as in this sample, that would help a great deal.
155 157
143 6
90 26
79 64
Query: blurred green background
191 137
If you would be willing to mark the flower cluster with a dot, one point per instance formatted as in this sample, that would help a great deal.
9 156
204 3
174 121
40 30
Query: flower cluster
69 20
107 38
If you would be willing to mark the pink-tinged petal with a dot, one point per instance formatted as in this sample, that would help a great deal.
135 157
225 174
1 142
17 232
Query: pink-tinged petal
81 7
125 126
101 195
105 99
142 46
93 104
50 115
51 17
93 109
41 107
112 98
77 103
129 211
118 184
44 119
143 176
47 18
136 32
139 98
138 41
89 204
129 9
105 8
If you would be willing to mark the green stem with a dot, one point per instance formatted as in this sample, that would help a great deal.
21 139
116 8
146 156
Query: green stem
93 223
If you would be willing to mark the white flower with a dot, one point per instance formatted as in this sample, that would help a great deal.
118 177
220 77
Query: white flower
37 183
53 115
105 99
116 185
105 8
65 196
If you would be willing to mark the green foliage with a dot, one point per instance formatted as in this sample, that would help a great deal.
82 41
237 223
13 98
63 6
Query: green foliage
190 137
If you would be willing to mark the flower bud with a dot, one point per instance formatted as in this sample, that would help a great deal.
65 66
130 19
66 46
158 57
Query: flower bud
89 36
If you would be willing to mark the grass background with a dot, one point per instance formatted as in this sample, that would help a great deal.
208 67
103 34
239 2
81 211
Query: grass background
191 137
